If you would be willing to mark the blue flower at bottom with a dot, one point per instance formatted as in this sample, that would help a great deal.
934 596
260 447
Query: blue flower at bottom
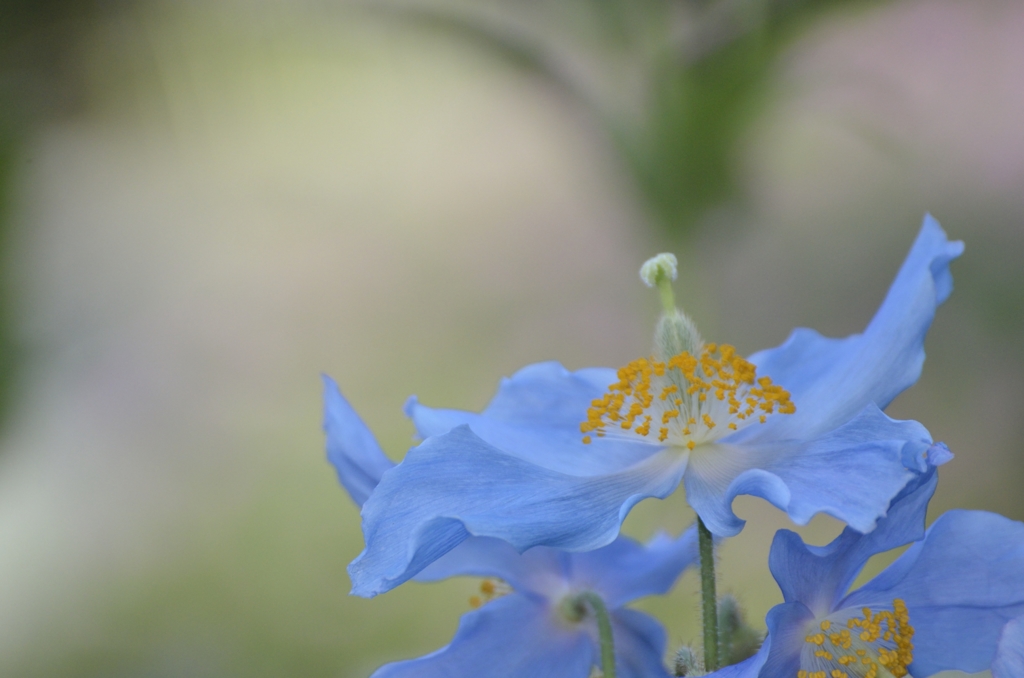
536 629
1009 661
524 471
942 605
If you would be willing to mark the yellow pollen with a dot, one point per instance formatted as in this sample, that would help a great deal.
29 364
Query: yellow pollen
880 645
682 394
489 590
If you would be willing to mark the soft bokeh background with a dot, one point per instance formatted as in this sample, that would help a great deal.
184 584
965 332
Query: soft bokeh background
206 205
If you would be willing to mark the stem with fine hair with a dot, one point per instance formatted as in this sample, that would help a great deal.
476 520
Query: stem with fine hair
709 601
604 630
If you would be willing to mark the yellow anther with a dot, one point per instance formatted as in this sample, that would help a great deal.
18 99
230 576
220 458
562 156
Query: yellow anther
881 646
689 394
489 590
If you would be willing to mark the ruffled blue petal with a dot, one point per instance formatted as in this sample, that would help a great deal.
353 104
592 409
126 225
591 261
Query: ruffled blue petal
819 576
787 628
626 570
961 584
456 485
536 416
360 463
851 473
511 637
639 643
1009 662
351 447
830 380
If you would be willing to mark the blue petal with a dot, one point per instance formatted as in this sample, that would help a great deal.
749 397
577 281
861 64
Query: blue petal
626 570
532 571
961 584
511 637
621 571
639 642
830 380
456 485
748 668
360 463
819 576
351 447
787 628
536 416
1009 662
852 473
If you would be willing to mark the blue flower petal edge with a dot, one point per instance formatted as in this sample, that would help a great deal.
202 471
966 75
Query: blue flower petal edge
1009 661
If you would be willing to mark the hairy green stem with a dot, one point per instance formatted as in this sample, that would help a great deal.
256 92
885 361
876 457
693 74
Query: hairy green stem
668 297
604 630
709 601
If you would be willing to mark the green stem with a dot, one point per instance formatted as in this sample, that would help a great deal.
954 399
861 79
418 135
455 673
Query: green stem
604 630
709 601
668 297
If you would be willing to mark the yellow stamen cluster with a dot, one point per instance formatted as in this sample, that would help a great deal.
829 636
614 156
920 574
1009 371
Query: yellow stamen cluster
876 645
681 395
489 590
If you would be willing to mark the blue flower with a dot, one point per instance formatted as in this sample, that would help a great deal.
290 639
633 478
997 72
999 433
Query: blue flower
533 622
523 471
942 605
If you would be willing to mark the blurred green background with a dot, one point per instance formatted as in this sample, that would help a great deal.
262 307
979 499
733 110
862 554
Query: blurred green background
205 205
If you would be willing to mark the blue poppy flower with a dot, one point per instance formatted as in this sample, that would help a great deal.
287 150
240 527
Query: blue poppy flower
532 622
800 425
942 605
